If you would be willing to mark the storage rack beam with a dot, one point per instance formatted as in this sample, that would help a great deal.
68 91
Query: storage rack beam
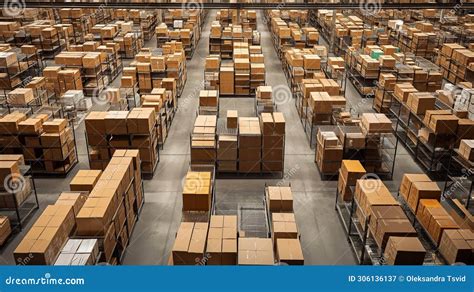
215 5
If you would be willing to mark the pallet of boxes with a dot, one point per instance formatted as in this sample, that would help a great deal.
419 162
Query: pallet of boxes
47 145
386 221
112 207
374 126
14 190
329 153
285 234
423 198
108 131
227 146
273 142
203 140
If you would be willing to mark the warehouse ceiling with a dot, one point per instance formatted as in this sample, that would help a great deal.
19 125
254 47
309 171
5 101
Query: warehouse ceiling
216 4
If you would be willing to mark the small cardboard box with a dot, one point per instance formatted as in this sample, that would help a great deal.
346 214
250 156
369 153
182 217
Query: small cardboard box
55 126
466 149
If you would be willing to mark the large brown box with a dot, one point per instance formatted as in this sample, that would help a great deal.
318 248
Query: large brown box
289 251
408 179
404 251
284 225
456 246
190 242
85 180
422 190
393 227
279 199
255 251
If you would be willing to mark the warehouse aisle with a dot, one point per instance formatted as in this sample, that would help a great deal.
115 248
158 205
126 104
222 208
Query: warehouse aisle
154 235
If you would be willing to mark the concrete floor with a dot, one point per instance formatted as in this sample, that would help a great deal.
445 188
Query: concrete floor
322 235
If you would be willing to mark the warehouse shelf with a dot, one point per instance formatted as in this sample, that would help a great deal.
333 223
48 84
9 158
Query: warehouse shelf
459 182
361 239
22 210
432 156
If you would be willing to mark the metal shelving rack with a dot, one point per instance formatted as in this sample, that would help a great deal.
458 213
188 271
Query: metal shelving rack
25 209
386 145
361 239
433 157
459 182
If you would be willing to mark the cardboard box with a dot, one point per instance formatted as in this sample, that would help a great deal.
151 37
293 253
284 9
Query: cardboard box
466 149
456 246
387 228
404 251
20 96
46 237
422 190
280 199
408 179
376 123
232 117
55 126
85 180
284 225
289 251
255 251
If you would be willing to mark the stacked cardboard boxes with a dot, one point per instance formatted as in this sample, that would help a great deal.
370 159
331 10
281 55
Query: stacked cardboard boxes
208 98
273 141
434 219
329 152
456 62
211 72
112 207
255 251
74 199
197 191
349 173
456 246
190 243
227 149
222 240
85 180
46 237
10 175
203 140
79 252
108 131
250 145
279 199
